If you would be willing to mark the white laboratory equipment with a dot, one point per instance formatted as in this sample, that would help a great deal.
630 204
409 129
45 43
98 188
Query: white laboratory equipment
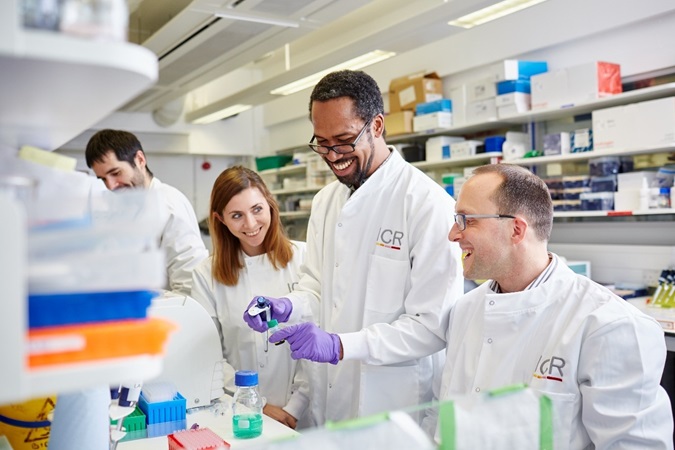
193 355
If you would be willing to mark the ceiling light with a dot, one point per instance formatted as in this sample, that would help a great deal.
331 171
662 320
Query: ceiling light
357 63
501 9
220 114
257 18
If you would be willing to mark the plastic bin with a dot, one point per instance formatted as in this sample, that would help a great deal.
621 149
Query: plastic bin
202 438
78 343
603 166
272 162
597 201
68 309
604 184
162 412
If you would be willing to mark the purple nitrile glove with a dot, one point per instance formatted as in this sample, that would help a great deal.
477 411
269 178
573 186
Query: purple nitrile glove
280 309
308 341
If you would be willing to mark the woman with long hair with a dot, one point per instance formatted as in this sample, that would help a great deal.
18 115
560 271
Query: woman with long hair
251 255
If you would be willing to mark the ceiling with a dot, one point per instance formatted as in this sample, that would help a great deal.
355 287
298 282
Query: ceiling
246 59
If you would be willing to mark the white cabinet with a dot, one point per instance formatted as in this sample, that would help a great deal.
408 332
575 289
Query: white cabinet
52 88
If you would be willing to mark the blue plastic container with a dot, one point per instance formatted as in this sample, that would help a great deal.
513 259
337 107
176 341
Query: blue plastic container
509 86
161 412
78 308
442 105
494 143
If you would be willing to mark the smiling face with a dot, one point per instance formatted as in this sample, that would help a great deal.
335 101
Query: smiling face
118 174
485 243
247 216
335 122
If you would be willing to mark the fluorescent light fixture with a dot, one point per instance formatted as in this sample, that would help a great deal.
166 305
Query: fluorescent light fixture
501 9
257 18
222 114
357 63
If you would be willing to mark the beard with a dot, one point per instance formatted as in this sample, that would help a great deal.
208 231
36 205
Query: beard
356 179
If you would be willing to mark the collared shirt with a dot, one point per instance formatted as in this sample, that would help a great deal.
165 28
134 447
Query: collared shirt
542 278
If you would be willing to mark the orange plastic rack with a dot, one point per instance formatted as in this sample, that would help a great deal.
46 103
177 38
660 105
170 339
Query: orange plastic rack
76 343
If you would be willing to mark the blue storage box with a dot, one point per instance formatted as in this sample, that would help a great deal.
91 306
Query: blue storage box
597 201
604 184
68 309
509 86
603 166
494 143
442 105
161 412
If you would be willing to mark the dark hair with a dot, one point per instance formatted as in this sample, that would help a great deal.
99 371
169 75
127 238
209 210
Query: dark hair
354 84
125 145
524 193
227 261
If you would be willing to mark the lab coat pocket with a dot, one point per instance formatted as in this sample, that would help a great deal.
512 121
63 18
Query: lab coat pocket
386 288
387 388
563 414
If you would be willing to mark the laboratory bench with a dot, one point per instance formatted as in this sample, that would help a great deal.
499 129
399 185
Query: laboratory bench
218 418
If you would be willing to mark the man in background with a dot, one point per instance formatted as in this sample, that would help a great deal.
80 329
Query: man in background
117 158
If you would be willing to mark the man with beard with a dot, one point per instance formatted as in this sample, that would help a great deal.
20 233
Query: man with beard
379 276
117 158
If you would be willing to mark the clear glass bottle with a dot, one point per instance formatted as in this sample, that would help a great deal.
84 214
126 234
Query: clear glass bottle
247 406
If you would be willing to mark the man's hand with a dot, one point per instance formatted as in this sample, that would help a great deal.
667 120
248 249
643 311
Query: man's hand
280 309
280 415
308 341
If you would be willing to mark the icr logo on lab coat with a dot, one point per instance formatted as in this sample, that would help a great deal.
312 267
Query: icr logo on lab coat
549 368
389 238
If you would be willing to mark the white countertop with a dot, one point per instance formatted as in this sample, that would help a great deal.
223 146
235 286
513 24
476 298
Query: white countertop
665 316
218 418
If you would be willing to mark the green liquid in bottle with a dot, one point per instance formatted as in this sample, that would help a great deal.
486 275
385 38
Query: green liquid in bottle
247 426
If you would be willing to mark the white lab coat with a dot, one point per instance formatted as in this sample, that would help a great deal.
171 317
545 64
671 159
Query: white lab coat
280 379
596 356
181 240
381 272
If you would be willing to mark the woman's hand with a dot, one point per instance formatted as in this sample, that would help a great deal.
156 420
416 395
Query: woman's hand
278 414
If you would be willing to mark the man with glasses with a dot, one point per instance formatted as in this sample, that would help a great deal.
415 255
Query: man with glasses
536 322
379 274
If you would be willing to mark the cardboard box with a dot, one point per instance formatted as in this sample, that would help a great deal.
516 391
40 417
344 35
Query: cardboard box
407 91
398 123
437 120
612 128
575 85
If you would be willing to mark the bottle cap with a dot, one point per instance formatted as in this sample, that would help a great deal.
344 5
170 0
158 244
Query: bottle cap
272 323
246 378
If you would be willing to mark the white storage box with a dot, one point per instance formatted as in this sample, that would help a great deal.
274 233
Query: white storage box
432 121
613 128
575 85
634 180
654 123
513 69
481 111
438 147
512 103
481 90
516 145
627 200
458 98
464 149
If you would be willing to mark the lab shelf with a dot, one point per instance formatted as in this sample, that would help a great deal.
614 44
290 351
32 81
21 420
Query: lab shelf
466 161
302 190
54 87
638 95
286 170
581 214
294 214
582 156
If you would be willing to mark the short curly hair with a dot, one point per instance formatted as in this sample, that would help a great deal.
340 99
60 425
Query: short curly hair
355 84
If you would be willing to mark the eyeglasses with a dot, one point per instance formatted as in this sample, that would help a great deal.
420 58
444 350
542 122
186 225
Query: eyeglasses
340 149
460 219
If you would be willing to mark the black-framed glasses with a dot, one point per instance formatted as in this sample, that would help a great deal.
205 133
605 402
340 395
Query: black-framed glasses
460 219
340 149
